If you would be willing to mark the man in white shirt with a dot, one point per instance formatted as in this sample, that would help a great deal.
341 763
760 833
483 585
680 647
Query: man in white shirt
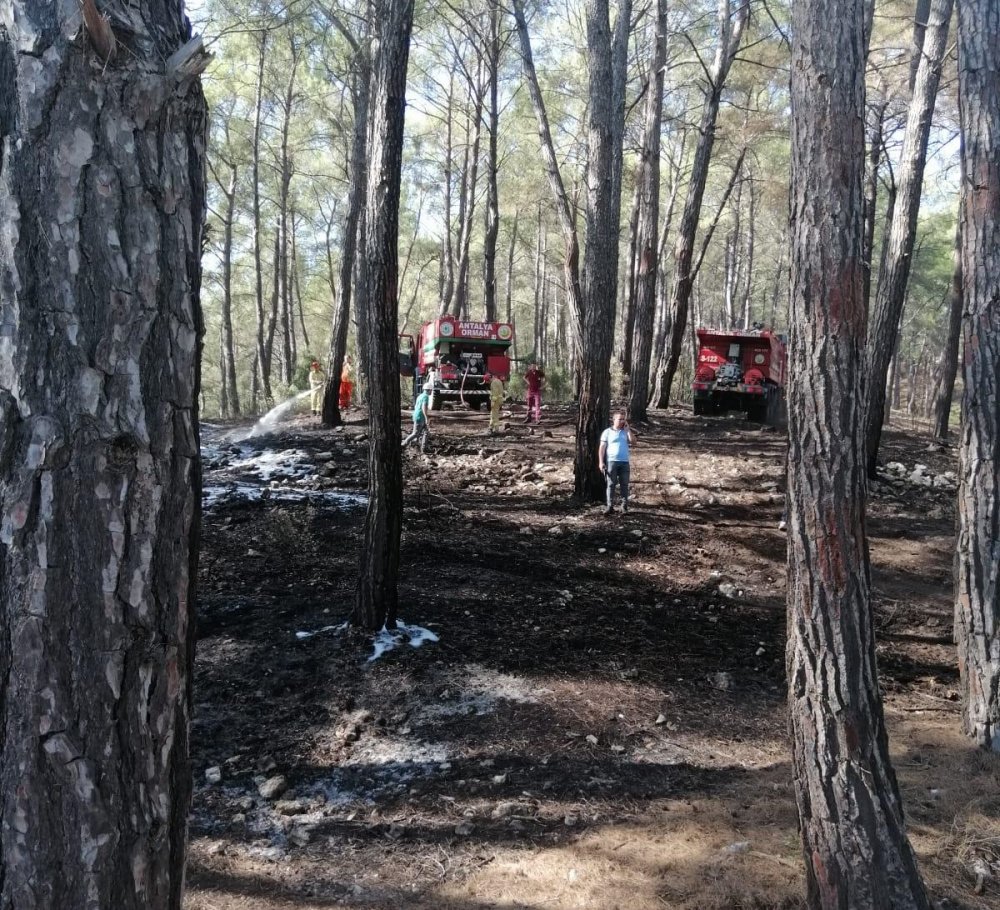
613 458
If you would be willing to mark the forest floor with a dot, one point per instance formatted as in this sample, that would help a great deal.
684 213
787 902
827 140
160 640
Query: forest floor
600 722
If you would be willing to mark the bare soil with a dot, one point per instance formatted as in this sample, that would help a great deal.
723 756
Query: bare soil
601 722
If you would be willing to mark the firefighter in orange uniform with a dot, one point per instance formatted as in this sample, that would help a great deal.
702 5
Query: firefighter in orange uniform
346 383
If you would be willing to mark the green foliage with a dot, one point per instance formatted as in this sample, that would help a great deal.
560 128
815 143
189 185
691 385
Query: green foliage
558 383
754 114
300 378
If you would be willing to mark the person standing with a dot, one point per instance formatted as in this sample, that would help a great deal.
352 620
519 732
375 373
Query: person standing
496 400
317 380
534 379
421 419
411 353
613 459
346 383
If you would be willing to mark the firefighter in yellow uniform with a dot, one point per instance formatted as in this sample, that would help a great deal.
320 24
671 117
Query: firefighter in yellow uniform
317 380
496 400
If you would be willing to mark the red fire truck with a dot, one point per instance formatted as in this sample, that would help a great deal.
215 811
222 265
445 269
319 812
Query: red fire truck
454 356
741 371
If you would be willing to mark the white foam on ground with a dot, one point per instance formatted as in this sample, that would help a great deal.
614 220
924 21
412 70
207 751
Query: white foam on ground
270 463
387 640
302 635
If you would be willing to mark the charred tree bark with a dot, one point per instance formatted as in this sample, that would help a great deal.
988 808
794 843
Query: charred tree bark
977 603
944 385
649 216
851 816
894 275
102 203
376 603
730 34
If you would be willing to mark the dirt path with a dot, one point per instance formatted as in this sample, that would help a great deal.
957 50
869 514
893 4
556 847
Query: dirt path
600 723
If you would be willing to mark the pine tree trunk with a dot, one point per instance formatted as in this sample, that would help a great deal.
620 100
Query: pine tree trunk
565 210
102 203
297 291
228 351
536 326
876 115
378 575
944 386
850 813
731 33
509 285
447 273
977 603
263 357
272 316
361 89
629 289
733 266
894 275
467 203
287 322
750 251
645 305
605 128
662 318
492 165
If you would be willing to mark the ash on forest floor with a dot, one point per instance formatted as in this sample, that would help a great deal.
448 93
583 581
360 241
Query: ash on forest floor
600 721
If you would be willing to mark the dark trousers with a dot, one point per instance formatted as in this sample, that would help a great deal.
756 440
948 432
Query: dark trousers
617 474
420 433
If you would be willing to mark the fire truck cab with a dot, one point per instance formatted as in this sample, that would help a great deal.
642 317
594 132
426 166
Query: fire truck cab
453 357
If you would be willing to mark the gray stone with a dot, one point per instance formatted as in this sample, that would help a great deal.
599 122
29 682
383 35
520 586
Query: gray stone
273 787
